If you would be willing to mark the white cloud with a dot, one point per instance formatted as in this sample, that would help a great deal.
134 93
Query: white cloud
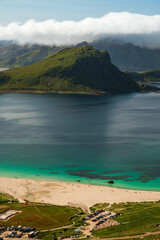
141 30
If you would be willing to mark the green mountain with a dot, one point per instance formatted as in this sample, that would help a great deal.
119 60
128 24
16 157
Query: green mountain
27 55
82 69
126 56
138 77
13 50
129 57
150 76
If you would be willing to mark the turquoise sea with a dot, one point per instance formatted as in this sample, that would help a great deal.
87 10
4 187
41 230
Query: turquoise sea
89 139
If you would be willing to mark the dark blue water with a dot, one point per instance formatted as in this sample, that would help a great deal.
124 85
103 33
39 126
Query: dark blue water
82 138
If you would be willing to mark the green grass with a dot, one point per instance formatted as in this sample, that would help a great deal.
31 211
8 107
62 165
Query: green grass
5 198
136 218
99 206
40 216
49 235
27 55
153 237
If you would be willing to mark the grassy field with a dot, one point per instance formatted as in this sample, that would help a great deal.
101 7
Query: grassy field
152 237
40 216
5 198
66 232
155 237
135 219
99 206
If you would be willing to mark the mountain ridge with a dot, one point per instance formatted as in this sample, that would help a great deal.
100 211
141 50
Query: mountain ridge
125 56
82 69
129 57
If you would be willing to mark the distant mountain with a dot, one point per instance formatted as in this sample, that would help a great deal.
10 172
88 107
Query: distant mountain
146 77
151 76
27 55
129 57
138 77
125 56
6 43
8 52
82 69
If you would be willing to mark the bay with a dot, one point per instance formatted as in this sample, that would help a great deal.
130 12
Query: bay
88 139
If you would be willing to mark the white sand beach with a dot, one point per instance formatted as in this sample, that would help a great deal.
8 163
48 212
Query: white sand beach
68 193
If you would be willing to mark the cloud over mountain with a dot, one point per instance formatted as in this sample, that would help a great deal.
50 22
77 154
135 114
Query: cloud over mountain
142 30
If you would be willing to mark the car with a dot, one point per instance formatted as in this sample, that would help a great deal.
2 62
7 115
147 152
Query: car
94 220
101 222
19 235
32 229
31 234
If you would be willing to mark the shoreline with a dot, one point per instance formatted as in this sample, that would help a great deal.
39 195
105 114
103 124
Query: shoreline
71 194
76 93
56 92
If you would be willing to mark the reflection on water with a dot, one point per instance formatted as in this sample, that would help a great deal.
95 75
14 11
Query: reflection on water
86 138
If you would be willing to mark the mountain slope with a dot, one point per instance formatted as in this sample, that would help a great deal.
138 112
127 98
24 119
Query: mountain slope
30 56
129 57
82 69
126 56
8 52
150 76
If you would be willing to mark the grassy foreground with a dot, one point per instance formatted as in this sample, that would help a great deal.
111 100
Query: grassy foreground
40 216
136 219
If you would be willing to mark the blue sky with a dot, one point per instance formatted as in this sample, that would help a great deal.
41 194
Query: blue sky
22 10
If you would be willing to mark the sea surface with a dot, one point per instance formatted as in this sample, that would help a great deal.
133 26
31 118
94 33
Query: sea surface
88 139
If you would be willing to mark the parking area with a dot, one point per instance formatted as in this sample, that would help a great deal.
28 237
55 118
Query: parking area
17 232
98 220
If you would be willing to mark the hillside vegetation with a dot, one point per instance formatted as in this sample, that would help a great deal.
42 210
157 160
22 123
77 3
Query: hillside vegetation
126 56
82 69
135 219
129 57
28 56
150 76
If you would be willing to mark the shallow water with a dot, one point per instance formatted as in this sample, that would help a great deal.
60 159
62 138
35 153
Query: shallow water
82 138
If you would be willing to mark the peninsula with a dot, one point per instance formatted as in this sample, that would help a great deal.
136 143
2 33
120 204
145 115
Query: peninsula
79 70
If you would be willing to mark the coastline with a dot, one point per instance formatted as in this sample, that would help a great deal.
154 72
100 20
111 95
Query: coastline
72 194
96 93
